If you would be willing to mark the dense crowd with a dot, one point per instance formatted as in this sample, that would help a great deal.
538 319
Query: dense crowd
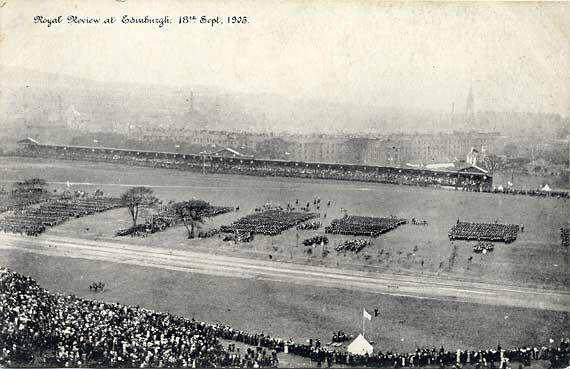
558 356
46 329
33 221
363 226
40 328
316 241
309 226
537 192
565 237
400 176
10 202
484 232
483 247
268 222
356 245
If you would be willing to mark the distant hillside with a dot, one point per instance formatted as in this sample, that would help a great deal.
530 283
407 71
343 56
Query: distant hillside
31 102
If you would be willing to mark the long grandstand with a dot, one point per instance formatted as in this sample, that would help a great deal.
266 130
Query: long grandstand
464 180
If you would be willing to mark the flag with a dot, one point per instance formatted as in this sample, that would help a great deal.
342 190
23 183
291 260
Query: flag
366 315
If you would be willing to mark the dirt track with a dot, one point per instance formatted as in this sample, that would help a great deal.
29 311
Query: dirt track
195 262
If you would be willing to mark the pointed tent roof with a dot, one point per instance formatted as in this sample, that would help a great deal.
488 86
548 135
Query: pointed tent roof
546 188
360 346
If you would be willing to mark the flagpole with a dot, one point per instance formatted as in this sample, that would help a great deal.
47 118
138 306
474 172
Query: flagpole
363 323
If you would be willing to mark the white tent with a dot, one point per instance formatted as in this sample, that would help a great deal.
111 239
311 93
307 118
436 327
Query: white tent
360 346
546 188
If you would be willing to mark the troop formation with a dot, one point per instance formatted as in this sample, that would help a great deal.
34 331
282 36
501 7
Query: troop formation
34 221
268 222
166 218
355 245
40 328
484 232
565 237
364 226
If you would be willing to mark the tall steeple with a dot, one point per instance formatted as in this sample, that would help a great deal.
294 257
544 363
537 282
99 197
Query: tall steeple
470 109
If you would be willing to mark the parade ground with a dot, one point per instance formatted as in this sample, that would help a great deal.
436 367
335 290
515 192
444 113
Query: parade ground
428 290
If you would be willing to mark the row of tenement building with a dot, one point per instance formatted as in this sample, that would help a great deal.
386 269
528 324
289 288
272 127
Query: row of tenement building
390 150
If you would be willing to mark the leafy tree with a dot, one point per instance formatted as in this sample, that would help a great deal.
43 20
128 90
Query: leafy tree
136 198
191 213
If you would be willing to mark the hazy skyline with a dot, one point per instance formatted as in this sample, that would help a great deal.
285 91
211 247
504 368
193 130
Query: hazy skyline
417 55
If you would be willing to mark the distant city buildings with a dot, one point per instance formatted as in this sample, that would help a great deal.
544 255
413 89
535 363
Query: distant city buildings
388 150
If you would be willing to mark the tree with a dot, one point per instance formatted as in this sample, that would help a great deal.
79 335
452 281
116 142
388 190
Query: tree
191 213
490 163
136 198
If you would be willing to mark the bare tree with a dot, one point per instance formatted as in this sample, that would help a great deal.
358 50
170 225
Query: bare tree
136 198
490 163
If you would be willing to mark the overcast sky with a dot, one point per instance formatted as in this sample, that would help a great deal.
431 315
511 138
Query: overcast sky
419 55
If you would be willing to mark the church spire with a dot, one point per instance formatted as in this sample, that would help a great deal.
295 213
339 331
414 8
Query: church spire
470 109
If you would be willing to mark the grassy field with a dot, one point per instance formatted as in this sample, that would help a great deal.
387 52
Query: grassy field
535 259
283 310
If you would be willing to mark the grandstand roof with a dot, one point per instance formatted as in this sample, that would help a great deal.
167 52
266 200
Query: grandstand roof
229 152
28 141
472 169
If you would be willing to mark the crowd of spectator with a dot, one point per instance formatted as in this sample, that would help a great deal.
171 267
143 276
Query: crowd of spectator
269 222
33 221
209 164
484 232
533 192
559 357
565 237
47 329
364 226
41 328
316 241
356 245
